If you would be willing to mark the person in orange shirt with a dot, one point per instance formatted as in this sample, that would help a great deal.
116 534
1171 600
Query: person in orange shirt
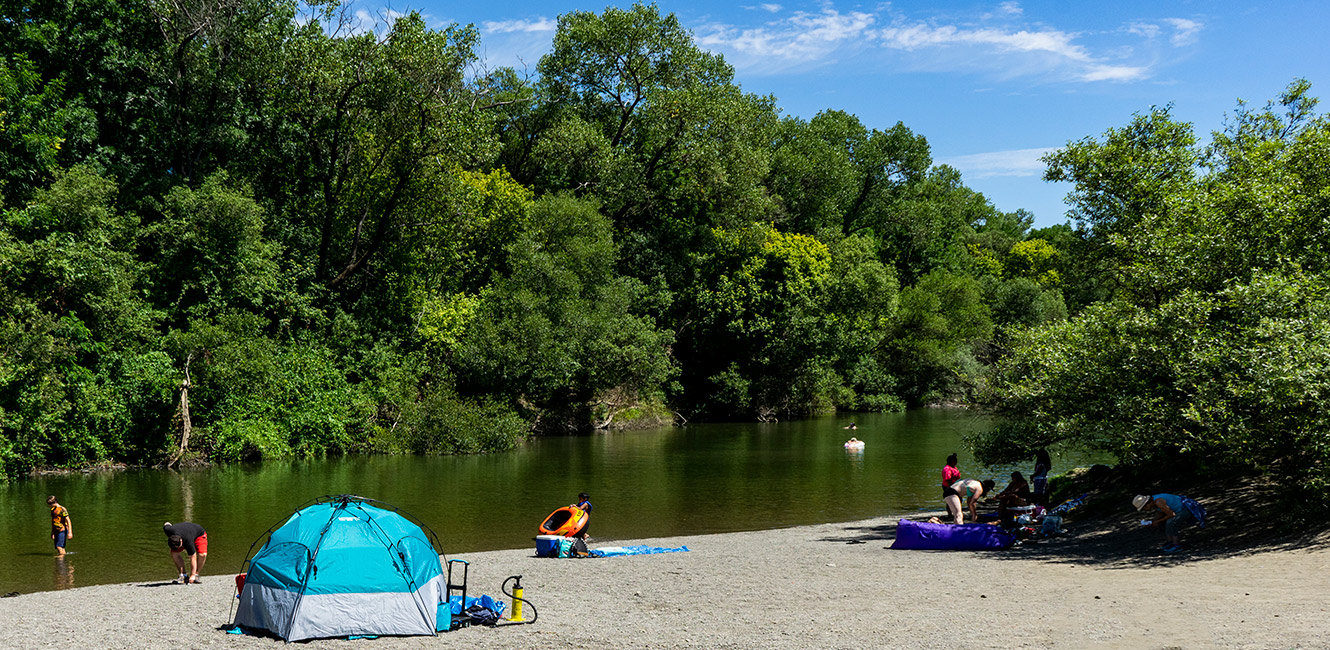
62 527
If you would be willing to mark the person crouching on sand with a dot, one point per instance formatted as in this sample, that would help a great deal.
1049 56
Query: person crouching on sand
1173 512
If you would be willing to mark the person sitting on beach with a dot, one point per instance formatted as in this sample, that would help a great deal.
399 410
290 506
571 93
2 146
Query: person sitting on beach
970 490
190 539
950 474
1173 512
1015 495
1017 491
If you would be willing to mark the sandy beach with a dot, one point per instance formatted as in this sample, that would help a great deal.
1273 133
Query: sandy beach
825 586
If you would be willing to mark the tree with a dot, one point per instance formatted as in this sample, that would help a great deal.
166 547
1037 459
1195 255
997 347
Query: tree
610 65
36 122
563 326
364 128
1214 356
212 256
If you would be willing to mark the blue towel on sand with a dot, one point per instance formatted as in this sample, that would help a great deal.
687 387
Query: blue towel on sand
617 551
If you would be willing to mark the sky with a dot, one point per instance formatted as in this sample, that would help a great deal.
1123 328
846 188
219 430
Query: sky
991 85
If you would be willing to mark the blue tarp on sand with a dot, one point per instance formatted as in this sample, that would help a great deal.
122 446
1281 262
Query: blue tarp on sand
949 537
617 551
456 606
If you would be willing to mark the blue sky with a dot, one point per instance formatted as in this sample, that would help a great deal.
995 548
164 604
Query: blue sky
992 85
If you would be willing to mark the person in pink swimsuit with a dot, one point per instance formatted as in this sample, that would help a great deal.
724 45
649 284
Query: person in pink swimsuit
950 472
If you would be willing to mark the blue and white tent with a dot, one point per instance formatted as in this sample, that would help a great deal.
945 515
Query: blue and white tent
343 567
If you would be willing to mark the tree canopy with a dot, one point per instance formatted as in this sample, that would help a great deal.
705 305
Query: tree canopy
1210 349
244 229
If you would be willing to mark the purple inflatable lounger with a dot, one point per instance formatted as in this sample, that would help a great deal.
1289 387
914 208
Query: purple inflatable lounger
949 537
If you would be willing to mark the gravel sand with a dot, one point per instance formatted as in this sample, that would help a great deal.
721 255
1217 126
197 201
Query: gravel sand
824 586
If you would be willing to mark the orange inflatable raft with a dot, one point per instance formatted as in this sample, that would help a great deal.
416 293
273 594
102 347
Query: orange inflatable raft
566 521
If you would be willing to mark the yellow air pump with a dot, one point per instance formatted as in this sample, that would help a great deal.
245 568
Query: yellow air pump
517 615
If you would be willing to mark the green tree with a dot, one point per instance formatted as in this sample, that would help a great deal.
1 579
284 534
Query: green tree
563 326
1215 354
36 121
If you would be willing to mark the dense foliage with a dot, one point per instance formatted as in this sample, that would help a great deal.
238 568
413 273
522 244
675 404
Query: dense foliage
241 229
1210 348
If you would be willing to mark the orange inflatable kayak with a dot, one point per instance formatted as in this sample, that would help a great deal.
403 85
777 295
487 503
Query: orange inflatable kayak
566 521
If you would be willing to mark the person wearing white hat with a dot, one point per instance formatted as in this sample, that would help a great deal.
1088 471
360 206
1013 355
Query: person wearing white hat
1171 513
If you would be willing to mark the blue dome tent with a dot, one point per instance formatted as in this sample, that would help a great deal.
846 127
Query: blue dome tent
340 566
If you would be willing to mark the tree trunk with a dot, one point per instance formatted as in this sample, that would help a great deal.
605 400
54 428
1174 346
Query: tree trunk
186 425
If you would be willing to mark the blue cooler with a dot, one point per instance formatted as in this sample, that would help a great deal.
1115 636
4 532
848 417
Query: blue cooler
547 543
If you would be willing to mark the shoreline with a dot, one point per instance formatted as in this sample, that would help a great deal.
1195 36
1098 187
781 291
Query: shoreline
825 586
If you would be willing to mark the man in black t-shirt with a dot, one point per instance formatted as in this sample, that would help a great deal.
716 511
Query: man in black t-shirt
190 539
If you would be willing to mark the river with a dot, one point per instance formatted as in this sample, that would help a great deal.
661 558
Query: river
703 478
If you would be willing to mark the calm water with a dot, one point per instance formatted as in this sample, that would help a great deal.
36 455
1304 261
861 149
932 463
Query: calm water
697 479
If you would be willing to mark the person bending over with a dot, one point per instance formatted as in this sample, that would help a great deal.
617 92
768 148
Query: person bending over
187 538
1172 511
970 490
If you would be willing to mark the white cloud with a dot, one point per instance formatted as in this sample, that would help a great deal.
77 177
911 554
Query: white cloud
801 39
1046 51
917 36
537 25
517 44
1098 72
1148 30
1184 31
773 8
1010 9
1015 162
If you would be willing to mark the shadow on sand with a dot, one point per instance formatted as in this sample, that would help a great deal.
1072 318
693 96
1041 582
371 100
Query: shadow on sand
1105 533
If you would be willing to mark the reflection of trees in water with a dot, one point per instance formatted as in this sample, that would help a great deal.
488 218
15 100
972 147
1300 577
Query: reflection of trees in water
186 497
64 572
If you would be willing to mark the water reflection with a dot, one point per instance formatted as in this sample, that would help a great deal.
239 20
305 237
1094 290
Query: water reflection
692 480
64 572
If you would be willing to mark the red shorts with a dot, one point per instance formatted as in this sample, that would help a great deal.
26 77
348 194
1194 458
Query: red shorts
201 543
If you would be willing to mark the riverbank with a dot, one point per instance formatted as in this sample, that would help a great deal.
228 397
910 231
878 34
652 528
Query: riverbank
826 586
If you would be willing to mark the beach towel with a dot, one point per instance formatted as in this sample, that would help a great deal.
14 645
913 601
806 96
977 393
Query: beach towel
1069 505
618 551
